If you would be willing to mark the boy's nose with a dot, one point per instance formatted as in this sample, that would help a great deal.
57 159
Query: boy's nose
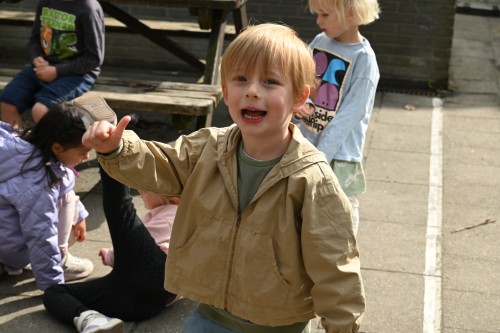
252 90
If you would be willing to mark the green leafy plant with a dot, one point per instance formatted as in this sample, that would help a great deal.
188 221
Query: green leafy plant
441 91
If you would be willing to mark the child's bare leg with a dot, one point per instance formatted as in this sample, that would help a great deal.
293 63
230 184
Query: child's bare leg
38 111
67 215
67 212
11 115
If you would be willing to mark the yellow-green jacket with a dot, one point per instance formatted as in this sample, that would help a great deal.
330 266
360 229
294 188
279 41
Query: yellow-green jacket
289 254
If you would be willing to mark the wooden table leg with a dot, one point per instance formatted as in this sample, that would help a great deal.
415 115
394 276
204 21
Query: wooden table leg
213 59
240 18
215 48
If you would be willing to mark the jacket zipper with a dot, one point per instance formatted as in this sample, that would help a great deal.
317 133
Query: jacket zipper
231 259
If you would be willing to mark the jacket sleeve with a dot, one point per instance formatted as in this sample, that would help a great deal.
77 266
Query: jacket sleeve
331 258
155 166
82 212
38 219
356 105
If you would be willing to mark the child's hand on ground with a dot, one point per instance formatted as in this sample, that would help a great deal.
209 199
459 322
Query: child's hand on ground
305 111
80 231
104 136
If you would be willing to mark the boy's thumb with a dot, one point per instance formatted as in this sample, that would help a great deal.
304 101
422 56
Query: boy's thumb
122 124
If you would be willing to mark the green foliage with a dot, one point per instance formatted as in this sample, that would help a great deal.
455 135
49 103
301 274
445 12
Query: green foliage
440 89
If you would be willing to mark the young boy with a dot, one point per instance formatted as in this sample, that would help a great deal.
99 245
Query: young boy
66 49
263 236
337 119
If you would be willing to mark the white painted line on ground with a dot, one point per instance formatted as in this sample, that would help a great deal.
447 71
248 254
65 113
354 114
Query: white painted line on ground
432 273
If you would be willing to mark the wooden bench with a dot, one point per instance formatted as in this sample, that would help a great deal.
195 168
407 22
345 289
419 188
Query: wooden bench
133 95
176 98
174 29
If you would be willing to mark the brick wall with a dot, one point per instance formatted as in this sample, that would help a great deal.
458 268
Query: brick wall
412 41
412 38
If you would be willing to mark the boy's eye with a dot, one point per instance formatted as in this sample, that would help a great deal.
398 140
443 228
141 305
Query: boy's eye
271 81
239 78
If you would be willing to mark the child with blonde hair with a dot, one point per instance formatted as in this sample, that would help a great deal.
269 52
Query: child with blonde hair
335 120
263 237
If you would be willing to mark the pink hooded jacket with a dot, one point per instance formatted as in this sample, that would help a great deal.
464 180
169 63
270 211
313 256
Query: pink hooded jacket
159 223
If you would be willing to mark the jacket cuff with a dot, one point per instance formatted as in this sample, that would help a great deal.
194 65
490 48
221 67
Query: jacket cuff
113 154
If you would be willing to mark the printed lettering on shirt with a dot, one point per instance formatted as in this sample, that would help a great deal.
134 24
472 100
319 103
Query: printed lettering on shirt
57 33
331 69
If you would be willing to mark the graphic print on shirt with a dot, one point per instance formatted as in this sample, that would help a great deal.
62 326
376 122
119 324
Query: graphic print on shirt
57 33
332 70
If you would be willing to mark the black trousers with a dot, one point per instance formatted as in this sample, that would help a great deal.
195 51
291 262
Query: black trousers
133 290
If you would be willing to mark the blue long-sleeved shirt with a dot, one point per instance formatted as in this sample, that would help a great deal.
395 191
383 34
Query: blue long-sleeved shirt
344 99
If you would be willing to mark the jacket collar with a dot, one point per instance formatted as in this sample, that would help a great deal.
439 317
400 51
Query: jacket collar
299 155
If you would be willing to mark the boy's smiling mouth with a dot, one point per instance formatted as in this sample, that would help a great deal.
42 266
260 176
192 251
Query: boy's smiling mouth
253 114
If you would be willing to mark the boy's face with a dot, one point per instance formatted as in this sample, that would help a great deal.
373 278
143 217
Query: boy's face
260 105
330 24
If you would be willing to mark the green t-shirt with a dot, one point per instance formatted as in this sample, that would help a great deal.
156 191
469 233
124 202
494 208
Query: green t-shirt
251 173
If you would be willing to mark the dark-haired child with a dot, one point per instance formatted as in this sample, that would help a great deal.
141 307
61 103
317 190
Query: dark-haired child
37 197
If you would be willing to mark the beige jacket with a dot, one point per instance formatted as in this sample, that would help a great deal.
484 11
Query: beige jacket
290 254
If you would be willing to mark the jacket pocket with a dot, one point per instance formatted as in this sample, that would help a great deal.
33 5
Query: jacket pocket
202 259
257 278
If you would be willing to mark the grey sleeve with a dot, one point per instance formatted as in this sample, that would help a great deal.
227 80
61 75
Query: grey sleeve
90 32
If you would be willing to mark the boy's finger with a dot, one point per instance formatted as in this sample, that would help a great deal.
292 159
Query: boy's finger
120 127
122 124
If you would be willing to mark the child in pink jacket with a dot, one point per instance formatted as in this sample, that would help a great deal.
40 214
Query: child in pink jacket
158 220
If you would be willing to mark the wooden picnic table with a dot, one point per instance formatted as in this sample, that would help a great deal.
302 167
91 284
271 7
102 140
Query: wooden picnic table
198 100
212 15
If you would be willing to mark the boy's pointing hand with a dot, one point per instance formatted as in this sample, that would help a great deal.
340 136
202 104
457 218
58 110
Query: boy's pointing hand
105 137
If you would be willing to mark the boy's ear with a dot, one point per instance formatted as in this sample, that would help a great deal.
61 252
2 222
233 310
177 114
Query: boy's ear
302 100
351 15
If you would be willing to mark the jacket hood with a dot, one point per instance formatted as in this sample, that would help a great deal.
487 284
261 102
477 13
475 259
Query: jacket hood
14 151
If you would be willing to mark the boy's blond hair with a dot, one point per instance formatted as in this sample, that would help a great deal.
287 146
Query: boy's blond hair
265 45
363 11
